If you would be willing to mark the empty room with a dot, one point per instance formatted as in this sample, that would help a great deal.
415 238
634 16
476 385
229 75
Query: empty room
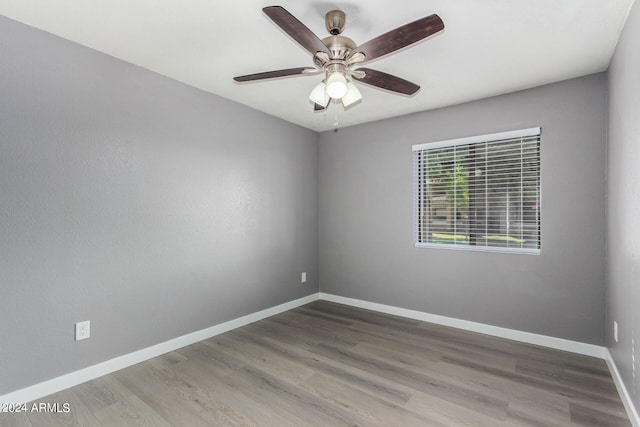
319 213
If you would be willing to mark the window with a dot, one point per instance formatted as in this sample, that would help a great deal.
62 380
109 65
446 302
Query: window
479 193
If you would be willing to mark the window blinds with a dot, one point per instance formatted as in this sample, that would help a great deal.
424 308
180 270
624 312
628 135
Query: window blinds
479 193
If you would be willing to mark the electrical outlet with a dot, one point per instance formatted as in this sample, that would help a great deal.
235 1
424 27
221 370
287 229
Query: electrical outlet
303 277
83 330
615 331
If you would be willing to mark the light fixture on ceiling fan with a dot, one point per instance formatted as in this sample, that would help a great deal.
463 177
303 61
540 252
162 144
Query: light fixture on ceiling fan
338 56
335 87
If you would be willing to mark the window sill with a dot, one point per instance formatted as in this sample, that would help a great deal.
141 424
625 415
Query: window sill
468 248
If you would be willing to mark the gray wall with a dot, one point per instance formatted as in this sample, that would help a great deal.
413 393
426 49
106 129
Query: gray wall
147 206
366 216
623 206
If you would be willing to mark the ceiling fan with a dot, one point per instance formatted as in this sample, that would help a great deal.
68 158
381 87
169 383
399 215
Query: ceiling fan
338 57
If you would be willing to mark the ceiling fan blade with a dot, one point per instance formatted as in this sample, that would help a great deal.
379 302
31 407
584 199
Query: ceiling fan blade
296 29
387 81
275 74
318 107
400 37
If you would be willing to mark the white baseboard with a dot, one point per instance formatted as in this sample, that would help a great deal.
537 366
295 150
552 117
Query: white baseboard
512 334
527 337
622 390
63 382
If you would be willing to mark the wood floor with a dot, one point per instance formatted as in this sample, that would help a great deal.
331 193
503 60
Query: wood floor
326 364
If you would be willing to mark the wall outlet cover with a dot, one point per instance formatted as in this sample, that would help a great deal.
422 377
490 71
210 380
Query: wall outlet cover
83 330
303 277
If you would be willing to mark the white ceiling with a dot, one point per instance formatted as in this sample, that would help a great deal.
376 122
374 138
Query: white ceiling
488 47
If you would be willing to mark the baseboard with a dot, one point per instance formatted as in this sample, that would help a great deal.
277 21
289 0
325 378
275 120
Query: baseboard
63 382
527 337
622 390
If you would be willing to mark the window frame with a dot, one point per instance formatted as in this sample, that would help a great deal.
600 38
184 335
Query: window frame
479 139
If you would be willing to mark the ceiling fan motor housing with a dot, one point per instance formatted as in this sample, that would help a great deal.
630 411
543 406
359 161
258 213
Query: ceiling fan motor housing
334 21
339 46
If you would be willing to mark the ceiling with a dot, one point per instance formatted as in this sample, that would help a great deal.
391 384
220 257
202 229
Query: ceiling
488 47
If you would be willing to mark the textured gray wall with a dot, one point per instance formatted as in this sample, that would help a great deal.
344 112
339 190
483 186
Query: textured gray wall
623 206
149 207
366 216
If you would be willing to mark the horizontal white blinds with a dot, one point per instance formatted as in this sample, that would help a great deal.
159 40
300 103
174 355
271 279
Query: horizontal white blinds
512 134
479 195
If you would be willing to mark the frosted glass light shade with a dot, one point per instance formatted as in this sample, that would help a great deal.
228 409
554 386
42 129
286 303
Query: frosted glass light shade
352 96
319 94
336 85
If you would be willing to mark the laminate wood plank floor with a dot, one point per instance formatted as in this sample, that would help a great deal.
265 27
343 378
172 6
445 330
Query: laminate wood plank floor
326 364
